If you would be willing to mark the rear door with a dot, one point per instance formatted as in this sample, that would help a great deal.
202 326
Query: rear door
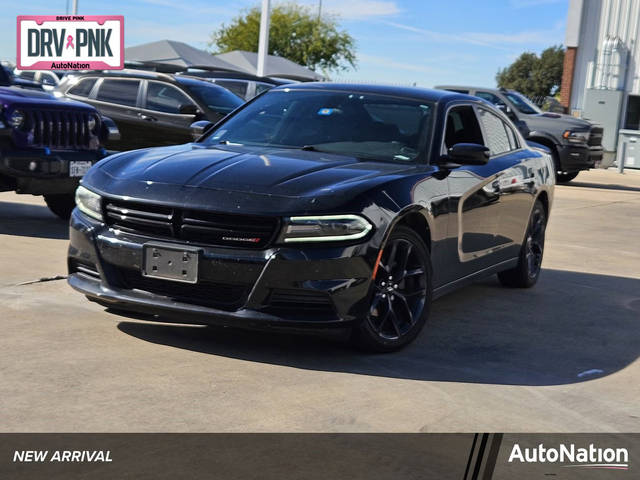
160 111
514 183
118 99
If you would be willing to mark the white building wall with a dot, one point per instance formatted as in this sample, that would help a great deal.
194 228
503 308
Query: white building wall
601 19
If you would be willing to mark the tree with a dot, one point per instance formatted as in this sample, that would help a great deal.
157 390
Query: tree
294 33
533 75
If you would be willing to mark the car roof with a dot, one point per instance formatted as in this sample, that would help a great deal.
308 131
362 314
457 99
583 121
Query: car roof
426 94
226 75
148 75
467 87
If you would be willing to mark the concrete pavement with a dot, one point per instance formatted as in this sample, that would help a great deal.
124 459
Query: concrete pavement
560 357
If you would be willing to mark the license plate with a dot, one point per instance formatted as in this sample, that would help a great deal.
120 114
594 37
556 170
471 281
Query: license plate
78 169
178 264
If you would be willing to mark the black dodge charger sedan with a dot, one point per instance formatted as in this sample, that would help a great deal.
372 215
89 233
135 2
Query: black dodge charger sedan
316 206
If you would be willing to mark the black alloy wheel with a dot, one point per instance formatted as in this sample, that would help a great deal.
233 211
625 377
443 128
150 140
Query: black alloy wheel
401 294
61 204
526 273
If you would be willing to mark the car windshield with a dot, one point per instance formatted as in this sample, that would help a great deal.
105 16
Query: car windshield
366 126
216 98
522 103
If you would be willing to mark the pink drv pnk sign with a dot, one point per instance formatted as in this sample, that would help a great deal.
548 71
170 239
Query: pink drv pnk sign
70 42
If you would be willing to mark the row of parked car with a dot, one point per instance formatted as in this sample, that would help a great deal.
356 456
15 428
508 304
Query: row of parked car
48 140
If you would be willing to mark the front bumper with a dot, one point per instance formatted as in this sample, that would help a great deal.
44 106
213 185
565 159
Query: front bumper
42 171
574 158
306 287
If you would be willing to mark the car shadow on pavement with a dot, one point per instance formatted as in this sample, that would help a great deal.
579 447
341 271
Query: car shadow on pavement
571 327
604 186
28 220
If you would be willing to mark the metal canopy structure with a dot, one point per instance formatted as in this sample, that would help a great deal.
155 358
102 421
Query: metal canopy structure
274 66
176 54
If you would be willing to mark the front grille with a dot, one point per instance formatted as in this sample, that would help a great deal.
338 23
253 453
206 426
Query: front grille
191 226
595 136
84 268
204 293
60 129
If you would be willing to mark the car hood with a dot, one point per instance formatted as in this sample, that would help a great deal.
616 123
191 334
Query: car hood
251 180
24 96
556 122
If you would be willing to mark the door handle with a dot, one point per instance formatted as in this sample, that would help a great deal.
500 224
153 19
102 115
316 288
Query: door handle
148 118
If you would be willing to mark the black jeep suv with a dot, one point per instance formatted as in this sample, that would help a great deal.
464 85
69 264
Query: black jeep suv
47 143
151 109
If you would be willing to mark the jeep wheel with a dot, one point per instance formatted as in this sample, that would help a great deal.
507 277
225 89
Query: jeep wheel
61 204
565 177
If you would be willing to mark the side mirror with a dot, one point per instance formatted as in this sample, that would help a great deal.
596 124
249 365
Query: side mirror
504 108
199 127
467 154
188 109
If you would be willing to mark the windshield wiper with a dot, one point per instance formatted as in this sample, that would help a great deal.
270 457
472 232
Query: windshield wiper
309 148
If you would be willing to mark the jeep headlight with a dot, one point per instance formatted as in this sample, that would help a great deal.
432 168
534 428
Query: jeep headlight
325 228
89 202
92 122
576 137
17 119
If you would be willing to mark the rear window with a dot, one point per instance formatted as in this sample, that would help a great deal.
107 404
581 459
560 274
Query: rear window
216 98
121 92
239 88
83 87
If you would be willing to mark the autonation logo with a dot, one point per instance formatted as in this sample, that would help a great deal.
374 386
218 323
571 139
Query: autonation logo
580 457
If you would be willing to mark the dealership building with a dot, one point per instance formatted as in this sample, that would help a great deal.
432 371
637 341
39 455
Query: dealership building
601 79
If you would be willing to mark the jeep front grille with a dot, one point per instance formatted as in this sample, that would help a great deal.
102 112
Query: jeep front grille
60 129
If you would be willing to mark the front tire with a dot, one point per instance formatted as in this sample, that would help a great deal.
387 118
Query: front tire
401 298
61 204
526 273
565 177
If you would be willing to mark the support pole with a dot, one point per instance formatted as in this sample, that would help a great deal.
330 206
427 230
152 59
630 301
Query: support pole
263 45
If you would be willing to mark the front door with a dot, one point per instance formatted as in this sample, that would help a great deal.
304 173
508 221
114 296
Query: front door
166 125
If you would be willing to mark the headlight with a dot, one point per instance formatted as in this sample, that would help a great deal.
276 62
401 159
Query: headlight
576 137
16 119
89 203
325 228
92 122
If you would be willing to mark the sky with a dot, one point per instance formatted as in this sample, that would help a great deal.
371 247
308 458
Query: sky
426 42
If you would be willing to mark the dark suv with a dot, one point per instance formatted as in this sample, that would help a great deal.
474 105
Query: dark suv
575 144
151 109
47 143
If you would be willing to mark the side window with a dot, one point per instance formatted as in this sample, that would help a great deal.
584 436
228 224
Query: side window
119 91
261 87
513 139
462 127
490 97
457 90
495 130
163 97
48 79
83 87
27 75
234 86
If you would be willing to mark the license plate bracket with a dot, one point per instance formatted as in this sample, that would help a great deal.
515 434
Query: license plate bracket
79 168
168 262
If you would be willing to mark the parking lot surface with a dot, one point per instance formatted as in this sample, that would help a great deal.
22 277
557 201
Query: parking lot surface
560 357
